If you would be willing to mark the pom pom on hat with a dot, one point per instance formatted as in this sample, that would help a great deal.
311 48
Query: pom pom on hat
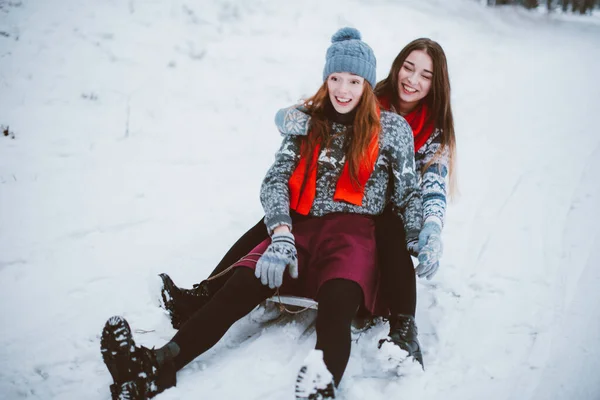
346 33
348 53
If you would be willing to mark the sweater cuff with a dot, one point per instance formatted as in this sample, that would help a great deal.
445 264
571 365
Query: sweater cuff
412 234
435 219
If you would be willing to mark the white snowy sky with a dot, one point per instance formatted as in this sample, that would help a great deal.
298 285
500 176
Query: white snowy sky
143 129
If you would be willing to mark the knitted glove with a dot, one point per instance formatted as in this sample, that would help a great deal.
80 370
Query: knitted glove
430 245
272 264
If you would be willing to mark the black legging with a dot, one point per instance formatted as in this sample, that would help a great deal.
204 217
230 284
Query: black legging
397 270
338 299
398 279
238 296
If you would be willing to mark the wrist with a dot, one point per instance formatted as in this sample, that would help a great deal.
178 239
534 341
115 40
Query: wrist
432 219
281 229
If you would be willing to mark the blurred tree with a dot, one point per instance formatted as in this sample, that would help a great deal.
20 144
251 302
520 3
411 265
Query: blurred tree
529 4
580 6
588 5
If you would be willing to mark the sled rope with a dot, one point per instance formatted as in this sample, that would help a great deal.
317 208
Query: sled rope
235 264
281 306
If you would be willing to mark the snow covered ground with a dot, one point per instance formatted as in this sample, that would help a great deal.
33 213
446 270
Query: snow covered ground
142 131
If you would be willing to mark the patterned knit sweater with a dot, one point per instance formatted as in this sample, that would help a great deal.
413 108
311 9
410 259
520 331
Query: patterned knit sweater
292 121
393 179
433 181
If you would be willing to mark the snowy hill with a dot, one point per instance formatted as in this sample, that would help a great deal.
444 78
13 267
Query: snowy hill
142 131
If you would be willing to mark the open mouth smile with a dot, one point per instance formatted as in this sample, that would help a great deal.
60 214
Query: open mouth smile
342 101
409 90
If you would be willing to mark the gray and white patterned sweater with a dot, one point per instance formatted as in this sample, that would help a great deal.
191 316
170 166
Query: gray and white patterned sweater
433 180
293 121
393 179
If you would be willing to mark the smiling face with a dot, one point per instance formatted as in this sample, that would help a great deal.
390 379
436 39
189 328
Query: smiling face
345 90
414 80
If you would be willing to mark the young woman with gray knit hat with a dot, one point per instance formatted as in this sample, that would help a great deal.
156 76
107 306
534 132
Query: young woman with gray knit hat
418 88
320 198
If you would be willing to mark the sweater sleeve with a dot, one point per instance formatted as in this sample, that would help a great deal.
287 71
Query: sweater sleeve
406 195
433 182
275 192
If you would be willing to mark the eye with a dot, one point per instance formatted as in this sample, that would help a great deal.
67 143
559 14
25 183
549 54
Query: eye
355 82
428 77
407 67
333 78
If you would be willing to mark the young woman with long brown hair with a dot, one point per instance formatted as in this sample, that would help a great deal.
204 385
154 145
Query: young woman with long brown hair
326 187
418 88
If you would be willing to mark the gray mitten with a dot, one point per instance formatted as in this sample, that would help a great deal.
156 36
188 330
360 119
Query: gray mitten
430 249
293 121
272 264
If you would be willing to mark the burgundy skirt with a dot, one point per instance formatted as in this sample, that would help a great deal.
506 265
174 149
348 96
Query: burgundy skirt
335 246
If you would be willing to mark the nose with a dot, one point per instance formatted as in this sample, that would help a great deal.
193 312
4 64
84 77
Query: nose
412 78
343 87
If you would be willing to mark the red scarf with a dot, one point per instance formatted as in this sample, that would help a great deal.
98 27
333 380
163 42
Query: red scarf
417 119
302 200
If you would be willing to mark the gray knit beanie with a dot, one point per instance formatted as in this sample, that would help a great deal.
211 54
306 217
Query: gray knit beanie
348 53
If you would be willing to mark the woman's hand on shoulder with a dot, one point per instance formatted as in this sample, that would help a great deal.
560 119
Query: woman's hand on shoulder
293 121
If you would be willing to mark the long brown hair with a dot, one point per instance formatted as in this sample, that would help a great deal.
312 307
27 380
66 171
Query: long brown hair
366 121
437 100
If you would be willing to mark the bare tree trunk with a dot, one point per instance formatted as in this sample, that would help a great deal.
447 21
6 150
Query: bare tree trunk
588 5
529 4
549 5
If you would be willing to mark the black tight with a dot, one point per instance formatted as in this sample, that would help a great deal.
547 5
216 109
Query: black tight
398 280
338 300
240 294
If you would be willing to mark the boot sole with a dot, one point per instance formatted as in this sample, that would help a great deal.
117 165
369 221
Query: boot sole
117 347
417 355
314 393
168 301
126 391
165 292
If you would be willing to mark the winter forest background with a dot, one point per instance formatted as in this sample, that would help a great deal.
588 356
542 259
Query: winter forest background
135 137
578 6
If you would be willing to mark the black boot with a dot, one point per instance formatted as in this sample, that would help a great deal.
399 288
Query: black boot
403 333
314 381
138 373
180 303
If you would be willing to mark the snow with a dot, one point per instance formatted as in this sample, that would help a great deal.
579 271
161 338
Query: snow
144 128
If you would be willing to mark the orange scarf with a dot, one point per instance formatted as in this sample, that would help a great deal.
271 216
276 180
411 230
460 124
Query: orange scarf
417 119
302 200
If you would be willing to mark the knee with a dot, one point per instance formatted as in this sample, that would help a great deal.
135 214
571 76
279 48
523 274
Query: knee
339 299
243 286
